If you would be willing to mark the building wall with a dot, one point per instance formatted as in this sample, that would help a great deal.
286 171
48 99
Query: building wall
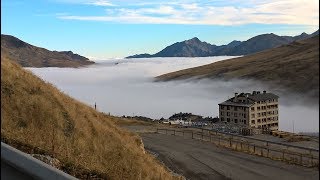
234 114
258 115
265 114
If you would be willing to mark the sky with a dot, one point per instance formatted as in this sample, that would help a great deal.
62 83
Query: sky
101 29
128 88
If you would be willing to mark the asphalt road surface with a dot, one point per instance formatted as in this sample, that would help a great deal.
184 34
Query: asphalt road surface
195 159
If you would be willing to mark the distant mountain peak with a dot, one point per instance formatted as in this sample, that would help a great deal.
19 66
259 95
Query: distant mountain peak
193 40
234 42
196 48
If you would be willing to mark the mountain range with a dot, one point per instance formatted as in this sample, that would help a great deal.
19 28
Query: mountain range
28 55
294 67
196 48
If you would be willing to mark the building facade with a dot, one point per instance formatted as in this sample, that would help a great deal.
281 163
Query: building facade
258 110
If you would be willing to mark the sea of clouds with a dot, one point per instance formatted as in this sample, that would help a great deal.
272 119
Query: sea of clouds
127 87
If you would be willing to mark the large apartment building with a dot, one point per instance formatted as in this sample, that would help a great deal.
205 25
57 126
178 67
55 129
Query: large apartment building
258 110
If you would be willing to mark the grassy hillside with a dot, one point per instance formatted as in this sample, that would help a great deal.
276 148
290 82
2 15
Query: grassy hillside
294 66
37 117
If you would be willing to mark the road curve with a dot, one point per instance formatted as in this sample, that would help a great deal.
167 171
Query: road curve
195 159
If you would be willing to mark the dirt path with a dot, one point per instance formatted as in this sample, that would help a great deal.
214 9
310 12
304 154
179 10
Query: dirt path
202 160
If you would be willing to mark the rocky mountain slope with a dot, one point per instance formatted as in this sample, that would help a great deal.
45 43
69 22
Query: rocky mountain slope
28 55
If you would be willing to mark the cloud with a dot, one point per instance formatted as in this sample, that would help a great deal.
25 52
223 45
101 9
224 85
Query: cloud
100 3
88 2
128 89
210 13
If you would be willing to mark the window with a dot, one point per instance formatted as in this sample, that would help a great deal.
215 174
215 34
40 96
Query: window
244 121
252 115
221 107
258 108
235 114
252 109
228 113
235 108
222 119
221 113
253 122
235 120
259 115
228 119
228 107
259 120
244 115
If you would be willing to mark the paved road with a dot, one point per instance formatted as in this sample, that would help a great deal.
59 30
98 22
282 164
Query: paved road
202 160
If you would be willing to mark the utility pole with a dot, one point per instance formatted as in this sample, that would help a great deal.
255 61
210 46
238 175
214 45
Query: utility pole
293 126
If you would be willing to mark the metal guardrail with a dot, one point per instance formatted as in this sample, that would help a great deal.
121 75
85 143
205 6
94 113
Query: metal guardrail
28 165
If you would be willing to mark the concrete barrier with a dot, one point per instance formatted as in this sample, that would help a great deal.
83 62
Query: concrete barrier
19 165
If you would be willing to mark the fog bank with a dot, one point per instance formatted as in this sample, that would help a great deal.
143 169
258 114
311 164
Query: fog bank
126 87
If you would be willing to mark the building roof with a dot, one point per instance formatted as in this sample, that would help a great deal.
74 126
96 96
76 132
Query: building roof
263 96
230 103
250 99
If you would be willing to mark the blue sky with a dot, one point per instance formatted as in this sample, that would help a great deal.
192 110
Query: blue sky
101 29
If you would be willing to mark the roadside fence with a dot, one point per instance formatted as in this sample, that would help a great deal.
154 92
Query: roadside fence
303 156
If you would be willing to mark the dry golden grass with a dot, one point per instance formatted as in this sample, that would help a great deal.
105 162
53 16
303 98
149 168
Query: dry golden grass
37 114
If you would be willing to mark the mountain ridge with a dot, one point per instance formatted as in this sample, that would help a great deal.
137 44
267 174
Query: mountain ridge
28 55
293 66
196 48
